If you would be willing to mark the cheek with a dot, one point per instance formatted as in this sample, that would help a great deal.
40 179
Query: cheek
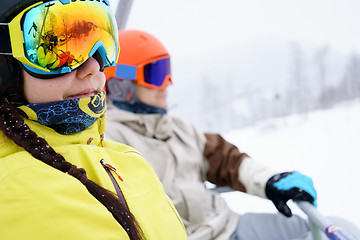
46 90
31 91
35 92
102 79
41 90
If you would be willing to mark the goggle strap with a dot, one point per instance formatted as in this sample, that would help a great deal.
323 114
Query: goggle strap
5 44
124 71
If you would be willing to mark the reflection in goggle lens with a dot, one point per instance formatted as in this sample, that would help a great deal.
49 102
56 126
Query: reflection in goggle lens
61 36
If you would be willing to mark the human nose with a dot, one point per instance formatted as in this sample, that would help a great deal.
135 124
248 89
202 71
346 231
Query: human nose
168 81
90 68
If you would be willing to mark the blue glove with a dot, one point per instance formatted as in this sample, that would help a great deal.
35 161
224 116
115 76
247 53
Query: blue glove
290 185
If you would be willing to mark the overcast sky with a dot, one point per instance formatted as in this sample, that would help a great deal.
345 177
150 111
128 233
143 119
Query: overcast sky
190 26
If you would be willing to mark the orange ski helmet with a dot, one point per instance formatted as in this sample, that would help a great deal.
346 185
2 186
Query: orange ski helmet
143 58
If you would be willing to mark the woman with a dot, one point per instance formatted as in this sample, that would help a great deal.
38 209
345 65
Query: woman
59 179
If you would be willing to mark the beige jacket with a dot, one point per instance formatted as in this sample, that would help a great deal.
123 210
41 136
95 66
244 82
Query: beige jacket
183 158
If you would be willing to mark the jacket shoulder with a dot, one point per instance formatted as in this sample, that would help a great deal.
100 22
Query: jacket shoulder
185 130
119 147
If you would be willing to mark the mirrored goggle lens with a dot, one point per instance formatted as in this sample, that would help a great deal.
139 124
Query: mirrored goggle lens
60 37
156 72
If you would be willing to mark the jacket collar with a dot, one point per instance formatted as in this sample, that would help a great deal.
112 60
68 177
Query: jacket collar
92 136
150 125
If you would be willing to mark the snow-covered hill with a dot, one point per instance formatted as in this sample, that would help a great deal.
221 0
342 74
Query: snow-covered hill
232 53
241 79
323 144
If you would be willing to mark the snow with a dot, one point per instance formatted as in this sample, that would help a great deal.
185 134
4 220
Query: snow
249 45
249 50
323 144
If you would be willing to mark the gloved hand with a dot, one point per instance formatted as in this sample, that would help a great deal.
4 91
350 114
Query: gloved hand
290 185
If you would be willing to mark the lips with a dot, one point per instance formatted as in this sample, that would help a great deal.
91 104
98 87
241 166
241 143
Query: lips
83 94
163 94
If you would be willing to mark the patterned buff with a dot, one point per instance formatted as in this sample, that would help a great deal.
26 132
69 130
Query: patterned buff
69 116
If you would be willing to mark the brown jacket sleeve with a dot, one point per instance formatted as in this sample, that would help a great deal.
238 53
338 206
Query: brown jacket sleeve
224 160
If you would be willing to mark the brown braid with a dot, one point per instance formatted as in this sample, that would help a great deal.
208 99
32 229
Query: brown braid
14 127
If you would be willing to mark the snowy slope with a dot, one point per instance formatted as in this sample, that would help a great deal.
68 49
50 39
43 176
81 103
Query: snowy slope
323 145
244 73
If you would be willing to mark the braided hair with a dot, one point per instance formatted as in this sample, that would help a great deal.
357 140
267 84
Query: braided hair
14 127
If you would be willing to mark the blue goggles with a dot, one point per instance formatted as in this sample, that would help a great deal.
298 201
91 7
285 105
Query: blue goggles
156 74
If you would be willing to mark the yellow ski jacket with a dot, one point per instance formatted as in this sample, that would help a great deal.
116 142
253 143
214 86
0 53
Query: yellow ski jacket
40 202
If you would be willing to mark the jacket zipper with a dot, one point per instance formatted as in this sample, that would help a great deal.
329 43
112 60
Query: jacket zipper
108 167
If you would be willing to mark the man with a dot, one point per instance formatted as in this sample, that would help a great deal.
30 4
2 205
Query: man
185 158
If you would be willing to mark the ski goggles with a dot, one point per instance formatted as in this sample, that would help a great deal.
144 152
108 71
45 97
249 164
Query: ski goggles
56 37
156 74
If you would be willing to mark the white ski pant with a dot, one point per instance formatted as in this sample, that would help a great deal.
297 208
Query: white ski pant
268 226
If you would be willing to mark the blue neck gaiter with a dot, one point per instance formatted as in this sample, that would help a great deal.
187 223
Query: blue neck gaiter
139 107
69 116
